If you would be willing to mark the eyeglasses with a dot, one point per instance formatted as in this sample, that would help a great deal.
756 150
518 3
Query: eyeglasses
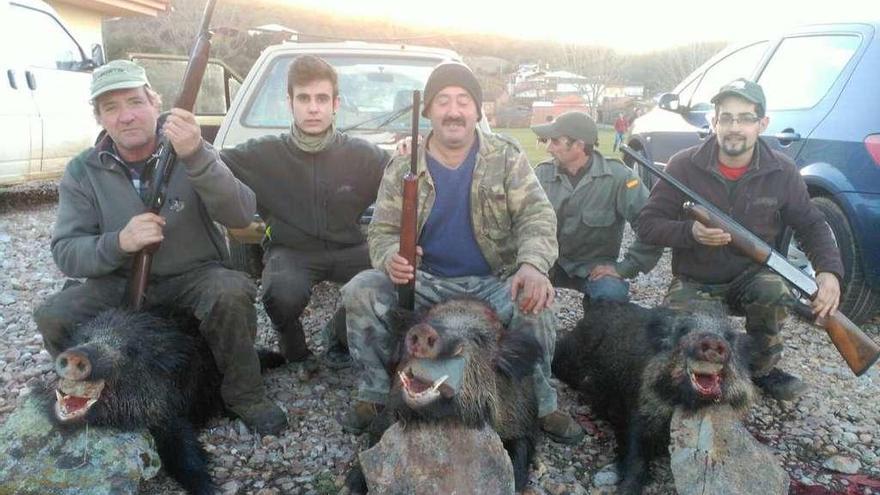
742 119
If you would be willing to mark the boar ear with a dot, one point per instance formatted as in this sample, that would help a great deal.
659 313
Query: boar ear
519 352
662 330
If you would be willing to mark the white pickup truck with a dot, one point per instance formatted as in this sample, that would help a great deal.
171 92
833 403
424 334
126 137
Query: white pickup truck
375 86
45 115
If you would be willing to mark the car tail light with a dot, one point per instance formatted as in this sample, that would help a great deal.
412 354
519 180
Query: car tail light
872 144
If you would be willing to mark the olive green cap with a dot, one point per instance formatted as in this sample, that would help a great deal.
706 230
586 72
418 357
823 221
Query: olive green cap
576 125
118 74
748 90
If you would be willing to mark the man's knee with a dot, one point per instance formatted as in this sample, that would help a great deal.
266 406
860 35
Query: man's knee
287 292
229 287
767 289
365 289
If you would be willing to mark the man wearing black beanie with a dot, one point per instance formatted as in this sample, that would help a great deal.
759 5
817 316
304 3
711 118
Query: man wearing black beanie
486 230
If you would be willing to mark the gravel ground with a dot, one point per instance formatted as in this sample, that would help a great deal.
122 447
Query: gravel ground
836 424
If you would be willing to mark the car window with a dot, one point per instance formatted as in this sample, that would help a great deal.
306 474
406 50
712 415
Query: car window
803 69
740 63
166 76
688 91
43 40
369 88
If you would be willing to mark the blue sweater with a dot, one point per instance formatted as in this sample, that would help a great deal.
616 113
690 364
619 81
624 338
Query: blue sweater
447 239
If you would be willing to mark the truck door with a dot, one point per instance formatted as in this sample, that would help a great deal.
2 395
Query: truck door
19 118
58 76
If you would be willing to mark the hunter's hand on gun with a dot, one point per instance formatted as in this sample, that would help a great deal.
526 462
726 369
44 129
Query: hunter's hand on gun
709 236
399 270
828 296
537 291
182 129
404 146
141 231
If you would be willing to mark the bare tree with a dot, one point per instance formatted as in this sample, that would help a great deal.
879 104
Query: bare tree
600 66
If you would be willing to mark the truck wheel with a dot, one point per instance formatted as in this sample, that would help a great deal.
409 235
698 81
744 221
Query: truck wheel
858 301
247 258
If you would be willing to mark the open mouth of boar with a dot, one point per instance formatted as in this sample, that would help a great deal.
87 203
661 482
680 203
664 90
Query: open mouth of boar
706 378
419 392
73 398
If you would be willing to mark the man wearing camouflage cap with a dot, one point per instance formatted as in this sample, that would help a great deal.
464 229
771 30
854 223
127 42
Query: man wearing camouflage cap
738 172
593 196
485 229
101 225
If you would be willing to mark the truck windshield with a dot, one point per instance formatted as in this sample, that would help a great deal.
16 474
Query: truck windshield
371 89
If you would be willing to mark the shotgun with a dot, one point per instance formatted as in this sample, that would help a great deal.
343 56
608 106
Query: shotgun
857 349
165 157
406 293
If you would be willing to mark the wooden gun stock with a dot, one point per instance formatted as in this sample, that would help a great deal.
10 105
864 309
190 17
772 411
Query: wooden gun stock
166 157
856 348
406 293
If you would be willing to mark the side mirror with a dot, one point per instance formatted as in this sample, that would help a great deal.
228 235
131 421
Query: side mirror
97 55
669 101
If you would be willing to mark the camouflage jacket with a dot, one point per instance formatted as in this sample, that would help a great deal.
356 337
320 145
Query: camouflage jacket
513 221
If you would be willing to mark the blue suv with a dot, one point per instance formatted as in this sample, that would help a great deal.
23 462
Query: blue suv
823 99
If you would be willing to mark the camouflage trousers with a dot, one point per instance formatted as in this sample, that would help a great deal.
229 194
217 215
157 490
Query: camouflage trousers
221 299
369 296
760 295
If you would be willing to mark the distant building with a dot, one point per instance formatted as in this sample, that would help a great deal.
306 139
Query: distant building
84 16
284 32
544 111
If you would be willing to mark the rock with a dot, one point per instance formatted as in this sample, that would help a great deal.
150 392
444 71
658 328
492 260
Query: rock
842 464
438 460
712 452
39 459
608 476
7 299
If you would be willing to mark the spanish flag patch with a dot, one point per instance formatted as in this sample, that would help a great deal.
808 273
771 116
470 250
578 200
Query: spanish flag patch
632 183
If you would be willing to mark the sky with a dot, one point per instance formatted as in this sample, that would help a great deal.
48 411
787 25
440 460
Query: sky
632 26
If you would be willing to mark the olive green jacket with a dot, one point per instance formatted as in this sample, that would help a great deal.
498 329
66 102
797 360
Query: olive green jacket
591 217
512 219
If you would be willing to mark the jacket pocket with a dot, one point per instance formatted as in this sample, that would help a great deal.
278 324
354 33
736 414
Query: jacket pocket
597 218
495 217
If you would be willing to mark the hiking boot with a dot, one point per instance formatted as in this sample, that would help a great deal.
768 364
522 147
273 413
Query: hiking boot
359 417
561 428
292 342
264 417
780 385
336 358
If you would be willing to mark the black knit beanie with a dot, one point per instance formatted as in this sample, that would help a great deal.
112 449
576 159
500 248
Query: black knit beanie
453 74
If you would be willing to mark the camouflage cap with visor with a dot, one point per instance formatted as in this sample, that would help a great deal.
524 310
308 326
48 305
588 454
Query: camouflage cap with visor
743 88
118 74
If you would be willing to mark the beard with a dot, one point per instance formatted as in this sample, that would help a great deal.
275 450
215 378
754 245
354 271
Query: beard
735 145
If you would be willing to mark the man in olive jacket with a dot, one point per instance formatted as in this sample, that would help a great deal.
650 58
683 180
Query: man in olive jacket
312 185
101 225
593 196
760 188
485 229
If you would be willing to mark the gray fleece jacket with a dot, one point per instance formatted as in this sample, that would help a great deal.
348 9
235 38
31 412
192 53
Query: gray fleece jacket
97 199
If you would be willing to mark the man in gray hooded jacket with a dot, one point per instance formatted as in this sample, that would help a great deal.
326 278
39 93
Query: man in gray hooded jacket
101 225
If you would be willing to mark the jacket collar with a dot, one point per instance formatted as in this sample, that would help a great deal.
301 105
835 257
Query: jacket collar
598 167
